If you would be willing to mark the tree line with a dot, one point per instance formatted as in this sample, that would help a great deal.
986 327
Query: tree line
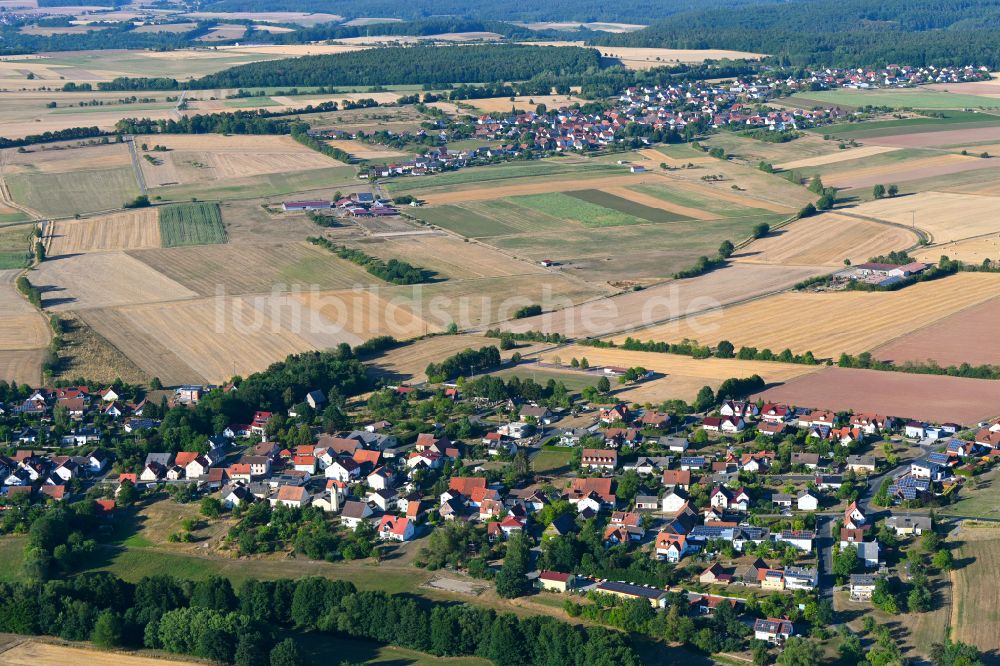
393 271
468 361
247 627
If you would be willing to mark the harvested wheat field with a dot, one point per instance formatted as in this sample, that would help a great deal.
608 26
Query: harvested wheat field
127 230
447 256
684 376
647 58
327 318
66 157
290 49
364 151
839 156
826 240
831 323
212 269
206 157
408 363
969 336
476 303
23 367
36 653
902 171
971 250
195 340
945 216
101 280
524 102
976 593
736 283
936 398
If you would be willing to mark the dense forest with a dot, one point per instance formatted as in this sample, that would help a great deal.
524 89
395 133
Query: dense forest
633 11
845 33
412 65
252 625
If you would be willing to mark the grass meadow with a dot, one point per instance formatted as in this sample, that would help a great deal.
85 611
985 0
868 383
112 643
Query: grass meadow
66 194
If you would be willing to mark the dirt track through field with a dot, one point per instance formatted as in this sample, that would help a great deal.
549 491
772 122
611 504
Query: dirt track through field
944 216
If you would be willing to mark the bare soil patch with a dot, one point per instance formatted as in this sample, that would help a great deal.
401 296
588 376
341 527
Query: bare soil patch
968 336
23 367
935 398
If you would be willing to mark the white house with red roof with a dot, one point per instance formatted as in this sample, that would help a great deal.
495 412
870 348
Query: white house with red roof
393 528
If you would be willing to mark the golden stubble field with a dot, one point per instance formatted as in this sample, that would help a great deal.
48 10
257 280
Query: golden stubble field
829 324
31 652
945 216
839 156
826 240
127 230
678 298
682 377
198 158
24 334
976 594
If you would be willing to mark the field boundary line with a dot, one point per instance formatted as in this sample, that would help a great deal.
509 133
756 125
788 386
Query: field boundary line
922 234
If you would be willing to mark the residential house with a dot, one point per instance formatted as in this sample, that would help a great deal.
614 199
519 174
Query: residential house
773 630
671 547
807 460
854 517
676 478
806 500
861 464
619 412
291 496
723 424
693 463
656 597
862 587
907 524
342 469
742 409
395 529
801 578
599 459
674 501
724 498
354 513
775 413
554 581
800 539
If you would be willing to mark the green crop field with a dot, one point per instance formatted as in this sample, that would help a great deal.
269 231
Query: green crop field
191 224
952 120
579 210
14 246
913 98
13 216
256 102
66 194
705 202
622 205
